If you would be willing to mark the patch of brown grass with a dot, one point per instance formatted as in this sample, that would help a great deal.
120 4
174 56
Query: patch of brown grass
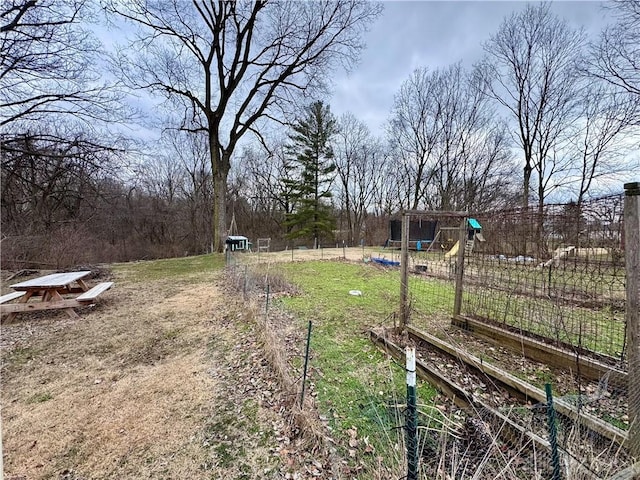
123 392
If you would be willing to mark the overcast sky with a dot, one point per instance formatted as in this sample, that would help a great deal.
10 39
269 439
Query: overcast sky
412 34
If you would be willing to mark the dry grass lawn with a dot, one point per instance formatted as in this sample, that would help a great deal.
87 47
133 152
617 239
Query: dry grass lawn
141 386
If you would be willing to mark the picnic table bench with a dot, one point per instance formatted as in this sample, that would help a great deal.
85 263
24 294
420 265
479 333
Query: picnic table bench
11 296
51 288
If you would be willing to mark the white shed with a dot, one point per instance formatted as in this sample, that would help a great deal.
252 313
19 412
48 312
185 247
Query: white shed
237 242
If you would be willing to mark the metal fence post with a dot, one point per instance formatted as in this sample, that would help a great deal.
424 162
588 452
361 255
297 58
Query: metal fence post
412 415
404 272
553 434
632 310
266 305
306 365
244 284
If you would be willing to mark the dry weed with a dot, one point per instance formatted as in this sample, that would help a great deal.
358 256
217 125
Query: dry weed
163 380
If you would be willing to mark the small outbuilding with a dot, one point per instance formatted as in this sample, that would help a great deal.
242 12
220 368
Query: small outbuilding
237 243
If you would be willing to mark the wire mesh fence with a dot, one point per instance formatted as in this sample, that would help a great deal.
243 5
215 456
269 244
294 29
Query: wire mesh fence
431 275
548 286
542 297
299 253
555 273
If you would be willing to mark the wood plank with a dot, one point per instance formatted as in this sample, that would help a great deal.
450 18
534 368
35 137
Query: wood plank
507 429
592 422
11 296
543 352
83 286
462 235
632 306
36 306
630 473
94 292
51 281
404 272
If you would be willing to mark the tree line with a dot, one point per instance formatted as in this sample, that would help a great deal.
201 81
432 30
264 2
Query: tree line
246 132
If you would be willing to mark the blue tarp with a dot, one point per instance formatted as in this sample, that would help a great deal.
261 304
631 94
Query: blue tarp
385 262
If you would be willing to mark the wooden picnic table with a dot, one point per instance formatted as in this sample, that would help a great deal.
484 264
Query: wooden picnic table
51 289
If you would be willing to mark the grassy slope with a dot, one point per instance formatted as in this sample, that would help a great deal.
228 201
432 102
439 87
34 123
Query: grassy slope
357 385
141 341
170 267
138 386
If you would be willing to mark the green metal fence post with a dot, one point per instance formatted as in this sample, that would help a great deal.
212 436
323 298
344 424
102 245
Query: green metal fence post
412 415
553 434
306 364
244 284
266 307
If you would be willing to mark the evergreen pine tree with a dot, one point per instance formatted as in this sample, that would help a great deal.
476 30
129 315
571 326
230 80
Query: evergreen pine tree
312 157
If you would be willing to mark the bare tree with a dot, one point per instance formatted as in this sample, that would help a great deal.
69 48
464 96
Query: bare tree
270 184
46 180
530 71
233 64
360 162
471 148
600 139
51 95
388 188
444 132
189 152
487 179
414 134
616 57
48 64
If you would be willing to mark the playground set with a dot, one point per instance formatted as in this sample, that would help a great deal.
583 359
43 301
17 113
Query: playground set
437 235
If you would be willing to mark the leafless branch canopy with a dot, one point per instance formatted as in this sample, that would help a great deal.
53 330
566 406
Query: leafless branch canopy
616 57
48 64
238 62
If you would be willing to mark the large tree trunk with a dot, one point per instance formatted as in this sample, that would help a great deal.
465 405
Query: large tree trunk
528 169
220 165
219 210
